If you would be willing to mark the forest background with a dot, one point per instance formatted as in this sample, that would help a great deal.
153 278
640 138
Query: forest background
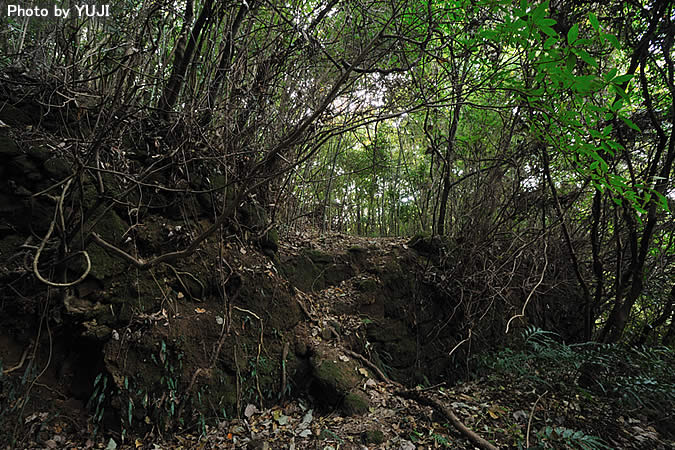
531 141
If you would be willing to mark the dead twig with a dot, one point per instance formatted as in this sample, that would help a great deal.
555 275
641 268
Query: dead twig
529 422
522 313
460 343
20 364
418 396
58 212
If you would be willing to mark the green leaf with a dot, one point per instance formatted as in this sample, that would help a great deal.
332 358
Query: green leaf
549 42
611 74
594 22
593 108
548 30
571 62
616 105
662 201
573 34
539 12
607 148
630 123
584 83
620 91
613 40
622 78
588 59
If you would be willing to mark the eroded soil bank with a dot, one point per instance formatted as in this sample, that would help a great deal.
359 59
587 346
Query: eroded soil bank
251 320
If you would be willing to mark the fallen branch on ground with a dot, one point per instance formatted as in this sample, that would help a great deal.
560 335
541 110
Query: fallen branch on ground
419 397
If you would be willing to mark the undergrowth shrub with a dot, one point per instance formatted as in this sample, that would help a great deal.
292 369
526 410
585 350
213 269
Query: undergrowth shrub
634 376
628 377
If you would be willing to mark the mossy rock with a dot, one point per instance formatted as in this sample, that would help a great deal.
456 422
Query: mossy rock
9 245
357 250
313 270
387 331
270 240
38 153
399 284
427 244
96 331
405 350
7 204
394 338
83 308
260 292
103 264
355 403
357 255
333 379
253 216
337 273
23 165
221 390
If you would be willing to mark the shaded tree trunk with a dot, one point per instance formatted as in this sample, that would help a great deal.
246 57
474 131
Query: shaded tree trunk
452 132
185 49
663 317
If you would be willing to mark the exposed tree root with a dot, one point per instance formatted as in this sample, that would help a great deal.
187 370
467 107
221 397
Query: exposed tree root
419 397
372 367
20 364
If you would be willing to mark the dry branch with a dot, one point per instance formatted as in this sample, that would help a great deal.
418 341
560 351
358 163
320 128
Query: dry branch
419 397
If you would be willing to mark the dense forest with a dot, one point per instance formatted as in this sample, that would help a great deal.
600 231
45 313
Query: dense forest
214 208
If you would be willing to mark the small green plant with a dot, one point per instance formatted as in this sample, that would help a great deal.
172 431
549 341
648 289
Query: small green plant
97 400
637 377
441 440
327 434
628 377
556 437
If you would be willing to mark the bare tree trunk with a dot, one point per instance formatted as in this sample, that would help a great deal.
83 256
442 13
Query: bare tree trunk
663 317
185 49
452 132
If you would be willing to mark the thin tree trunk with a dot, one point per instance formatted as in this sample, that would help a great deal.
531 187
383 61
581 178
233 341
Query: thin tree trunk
452 132
663 317
185 49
